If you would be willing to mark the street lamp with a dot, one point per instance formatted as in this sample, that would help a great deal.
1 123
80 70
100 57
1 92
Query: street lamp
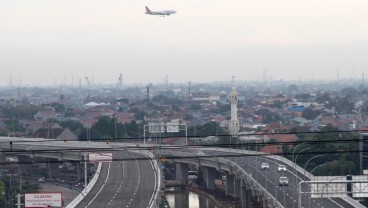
319 166
116 134
295 159
324 164
4 196
298 155
305 166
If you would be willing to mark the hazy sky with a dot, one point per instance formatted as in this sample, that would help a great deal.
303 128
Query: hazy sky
48 41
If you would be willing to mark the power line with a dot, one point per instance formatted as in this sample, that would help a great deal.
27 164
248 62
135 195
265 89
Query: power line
140 147
195 136
168 157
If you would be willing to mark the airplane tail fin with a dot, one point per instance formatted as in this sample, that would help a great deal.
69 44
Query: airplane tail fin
148 11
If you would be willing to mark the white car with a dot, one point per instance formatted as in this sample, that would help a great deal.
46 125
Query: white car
265 166
283 181
199 153
281 168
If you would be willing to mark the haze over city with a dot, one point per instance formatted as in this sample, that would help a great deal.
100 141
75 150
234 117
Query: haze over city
48 42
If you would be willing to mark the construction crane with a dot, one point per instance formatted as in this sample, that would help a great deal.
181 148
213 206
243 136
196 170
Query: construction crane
89 86
88 82
119 83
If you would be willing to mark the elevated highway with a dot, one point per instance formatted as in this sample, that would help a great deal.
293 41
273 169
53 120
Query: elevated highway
244 167
134 182
131 179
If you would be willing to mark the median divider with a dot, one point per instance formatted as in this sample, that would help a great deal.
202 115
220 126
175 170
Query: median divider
86 190
157 172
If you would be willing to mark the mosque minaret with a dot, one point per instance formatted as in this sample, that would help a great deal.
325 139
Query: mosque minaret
234 122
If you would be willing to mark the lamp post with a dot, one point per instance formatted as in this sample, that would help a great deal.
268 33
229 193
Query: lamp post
4 196
295 149
315 169
295 159
318 166
298 155
116 134
305 166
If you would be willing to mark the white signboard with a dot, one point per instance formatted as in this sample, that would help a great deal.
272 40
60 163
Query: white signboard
100 157
156 128
327 188
359 189
42 200
172 127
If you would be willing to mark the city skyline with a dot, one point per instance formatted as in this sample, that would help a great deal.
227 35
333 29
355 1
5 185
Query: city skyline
45 41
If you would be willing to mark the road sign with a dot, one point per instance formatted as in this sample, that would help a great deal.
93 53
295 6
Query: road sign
328 186
156 128
359 189
100 157
42 200
172 127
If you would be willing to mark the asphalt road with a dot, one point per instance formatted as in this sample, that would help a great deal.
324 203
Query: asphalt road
269 179
129 182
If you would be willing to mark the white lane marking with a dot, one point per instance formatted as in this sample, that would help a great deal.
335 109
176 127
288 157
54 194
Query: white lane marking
335 202
107 177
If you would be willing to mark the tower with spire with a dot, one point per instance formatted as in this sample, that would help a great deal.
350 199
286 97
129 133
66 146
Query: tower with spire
234 122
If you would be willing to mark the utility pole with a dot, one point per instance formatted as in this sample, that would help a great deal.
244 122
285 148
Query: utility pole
18 200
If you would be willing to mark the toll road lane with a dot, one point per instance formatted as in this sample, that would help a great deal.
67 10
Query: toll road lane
125 183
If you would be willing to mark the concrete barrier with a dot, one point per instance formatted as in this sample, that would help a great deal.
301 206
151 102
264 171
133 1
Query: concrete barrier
85 191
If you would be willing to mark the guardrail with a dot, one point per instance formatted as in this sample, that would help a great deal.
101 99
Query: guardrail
299 169
157 172
229 166
86 190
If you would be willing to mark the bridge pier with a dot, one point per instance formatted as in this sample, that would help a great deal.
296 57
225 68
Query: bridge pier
237 183
2 158
230 185
245 196
25 164
182 200
209 177
53 167
80 171
181 173
203 202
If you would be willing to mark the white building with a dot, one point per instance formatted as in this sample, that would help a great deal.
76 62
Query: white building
234 122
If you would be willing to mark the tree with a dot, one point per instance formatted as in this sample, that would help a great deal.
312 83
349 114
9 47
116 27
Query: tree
21 111
311 114
293 88
74 126
2 190
303 96
341 163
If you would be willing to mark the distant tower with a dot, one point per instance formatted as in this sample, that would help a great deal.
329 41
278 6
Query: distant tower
363 79
119 84
189 88
234 122
148 93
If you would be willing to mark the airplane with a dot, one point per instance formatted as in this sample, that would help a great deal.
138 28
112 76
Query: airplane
160 13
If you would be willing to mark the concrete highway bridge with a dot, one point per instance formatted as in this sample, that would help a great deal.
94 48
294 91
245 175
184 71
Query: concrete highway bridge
133 177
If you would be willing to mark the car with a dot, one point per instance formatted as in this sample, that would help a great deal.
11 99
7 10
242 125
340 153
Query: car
283 181
41 180
199 153
223 179
265 166
281 168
